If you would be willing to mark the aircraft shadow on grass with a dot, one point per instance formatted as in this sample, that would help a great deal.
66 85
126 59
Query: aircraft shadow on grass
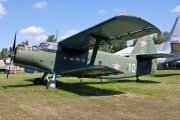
83 89
14 86
76 88
165 75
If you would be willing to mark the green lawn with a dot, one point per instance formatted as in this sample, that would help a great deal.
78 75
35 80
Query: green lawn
156 96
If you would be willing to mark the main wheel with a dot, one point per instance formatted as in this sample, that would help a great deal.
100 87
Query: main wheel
51 84
37 81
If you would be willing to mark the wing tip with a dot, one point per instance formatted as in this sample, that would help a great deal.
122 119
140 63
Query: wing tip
129 15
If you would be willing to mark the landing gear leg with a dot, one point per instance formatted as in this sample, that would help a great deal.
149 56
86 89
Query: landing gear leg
137 79
51 84
81 79
39 81
101 81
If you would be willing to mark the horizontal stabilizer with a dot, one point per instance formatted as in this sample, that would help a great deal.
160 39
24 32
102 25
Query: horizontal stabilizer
91 71
157 55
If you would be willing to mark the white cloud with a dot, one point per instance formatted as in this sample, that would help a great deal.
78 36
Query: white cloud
2 10
69 33
40 5
3 1
117 9
101 11
176 9
33 33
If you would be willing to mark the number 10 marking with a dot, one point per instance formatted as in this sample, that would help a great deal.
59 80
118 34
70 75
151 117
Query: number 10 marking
132 67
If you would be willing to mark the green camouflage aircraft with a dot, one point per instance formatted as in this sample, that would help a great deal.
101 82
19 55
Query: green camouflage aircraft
78 55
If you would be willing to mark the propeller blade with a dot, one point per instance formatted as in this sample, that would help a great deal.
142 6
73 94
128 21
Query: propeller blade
56 34
10 49
12 52
14 45
8 71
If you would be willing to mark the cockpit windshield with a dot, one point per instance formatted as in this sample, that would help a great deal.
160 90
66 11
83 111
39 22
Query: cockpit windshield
48 47
43 46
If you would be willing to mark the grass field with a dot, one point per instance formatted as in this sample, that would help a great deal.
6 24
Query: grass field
156 96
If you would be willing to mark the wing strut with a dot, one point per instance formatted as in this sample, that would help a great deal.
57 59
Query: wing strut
96 46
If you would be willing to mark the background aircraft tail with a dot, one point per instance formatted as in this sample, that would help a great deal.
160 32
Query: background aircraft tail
173 40
172 44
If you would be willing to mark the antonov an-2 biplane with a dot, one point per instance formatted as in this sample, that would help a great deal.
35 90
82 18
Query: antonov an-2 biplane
78 55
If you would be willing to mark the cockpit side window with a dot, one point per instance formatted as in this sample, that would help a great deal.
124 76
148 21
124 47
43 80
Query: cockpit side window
48 47
55 47
40 46
45 45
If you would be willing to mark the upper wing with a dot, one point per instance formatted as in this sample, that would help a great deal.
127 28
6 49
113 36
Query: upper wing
119 28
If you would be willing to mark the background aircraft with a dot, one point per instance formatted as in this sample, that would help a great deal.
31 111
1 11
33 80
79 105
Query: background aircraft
3 66
170 46
71 57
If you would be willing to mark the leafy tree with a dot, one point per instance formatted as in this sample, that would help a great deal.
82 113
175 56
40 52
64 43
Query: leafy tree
160 37
134 42
51 38
165 35
120 46
4 53
113 48
25 43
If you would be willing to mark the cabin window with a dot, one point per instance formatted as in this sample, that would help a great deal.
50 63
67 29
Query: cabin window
65 57
40 46
83 60
71 59
45 45
55 47
78 59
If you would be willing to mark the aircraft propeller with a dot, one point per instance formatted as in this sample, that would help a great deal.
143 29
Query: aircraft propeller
12 53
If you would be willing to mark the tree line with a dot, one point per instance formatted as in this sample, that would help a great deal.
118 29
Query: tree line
158 38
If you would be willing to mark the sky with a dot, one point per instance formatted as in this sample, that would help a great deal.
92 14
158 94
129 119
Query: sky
35 20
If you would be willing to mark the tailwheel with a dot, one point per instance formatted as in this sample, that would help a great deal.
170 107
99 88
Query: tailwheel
51 84
137 79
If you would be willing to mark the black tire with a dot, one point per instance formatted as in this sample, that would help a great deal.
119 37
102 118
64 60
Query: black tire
51 84
37 81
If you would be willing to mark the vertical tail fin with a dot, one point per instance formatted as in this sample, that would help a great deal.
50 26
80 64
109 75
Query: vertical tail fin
174 37
144 45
